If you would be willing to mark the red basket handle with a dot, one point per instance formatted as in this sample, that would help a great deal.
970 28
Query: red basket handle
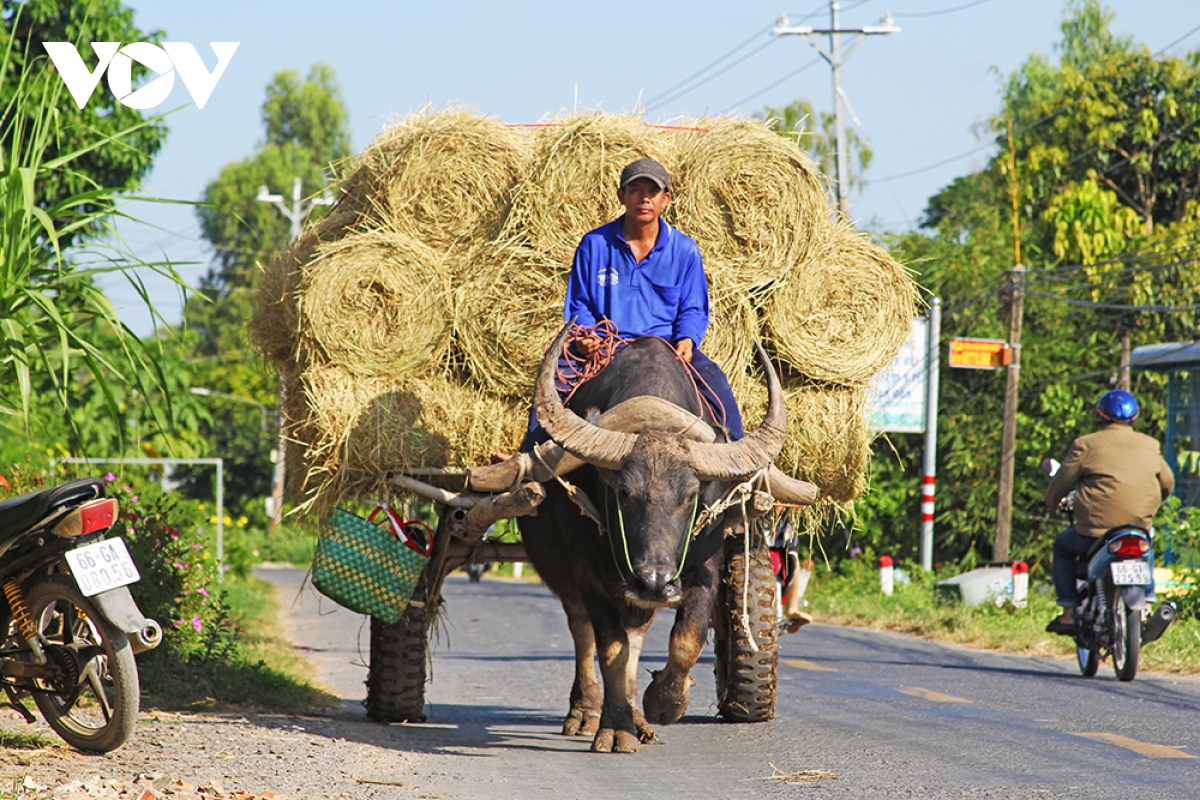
400 529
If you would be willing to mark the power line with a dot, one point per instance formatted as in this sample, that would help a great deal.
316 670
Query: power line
1189 309
771 86
938 13
708 66
1020 130
687 89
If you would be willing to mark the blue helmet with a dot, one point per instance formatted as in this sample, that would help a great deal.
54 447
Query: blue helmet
1118 406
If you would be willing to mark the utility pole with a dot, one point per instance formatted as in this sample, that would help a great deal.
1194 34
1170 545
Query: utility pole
1123 378
929 462
1008 436
836 57
296 215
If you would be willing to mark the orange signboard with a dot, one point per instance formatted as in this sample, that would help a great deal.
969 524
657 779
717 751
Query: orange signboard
979 353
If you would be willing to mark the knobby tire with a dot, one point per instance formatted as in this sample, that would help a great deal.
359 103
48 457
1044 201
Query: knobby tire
398 668
746 680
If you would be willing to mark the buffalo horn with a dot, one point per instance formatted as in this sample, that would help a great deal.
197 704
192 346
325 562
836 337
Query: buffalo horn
602 448
729 460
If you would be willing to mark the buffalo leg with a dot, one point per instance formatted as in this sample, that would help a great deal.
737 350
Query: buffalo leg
666 698
618 732
636 637
584 716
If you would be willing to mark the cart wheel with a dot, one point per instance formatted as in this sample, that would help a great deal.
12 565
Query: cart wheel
399 653
745 677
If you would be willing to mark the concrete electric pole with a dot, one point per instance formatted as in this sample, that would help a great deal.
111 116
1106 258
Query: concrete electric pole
836 56
296 215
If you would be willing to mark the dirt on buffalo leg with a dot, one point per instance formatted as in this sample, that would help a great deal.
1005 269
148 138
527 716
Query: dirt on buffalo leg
584 716
637 636
666 698
618 733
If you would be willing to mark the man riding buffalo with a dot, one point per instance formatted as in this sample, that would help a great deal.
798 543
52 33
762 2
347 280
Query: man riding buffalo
641 524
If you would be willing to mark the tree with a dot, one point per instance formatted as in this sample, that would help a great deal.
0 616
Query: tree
113 146
305 126
1105 148
796 121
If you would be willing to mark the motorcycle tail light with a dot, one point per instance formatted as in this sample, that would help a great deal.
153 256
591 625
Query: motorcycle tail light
1128 547
88 518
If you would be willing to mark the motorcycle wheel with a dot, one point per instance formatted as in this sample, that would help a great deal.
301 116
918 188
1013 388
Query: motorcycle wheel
94 704
1089 660
1127 638
746 678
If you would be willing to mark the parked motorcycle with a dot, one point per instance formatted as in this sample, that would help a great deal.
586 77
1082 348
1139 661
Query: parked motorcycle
1116 585
70 625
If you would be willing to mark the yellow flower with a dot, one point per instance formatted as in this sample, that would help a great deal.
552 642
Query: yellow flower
243 521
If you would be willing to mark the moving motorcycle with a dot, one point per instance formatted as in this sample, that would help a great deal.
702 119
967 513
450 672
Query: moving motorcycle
70 626
1116 585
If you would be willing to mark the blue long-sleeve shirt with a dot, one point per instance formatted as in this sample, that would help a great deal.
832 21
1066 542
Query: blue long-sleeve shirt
665 295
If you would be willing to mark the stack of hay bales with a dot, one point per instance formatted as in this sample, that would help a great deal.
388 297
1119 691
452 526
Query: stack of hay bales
408 323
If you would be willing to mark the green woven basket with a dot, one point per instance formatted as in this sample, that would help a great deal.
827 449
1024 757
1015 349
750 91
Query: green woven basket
363 567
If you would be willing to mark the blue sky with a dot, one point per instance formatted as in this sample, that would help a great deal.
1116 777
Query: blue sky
919 94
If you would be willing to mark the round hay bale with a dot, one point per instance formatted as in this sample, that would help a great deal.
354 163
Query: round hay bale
275 324
733 325
444 177
752 199
571 185
357 429
375 303
843 315
505 314
828 440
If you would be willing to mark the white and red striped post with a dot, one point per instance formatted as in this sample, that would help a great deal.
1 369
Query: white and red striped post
886 575
1020 596
929 462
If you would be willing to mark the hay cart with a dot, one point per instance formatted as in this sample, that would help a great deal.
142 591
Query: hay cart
746 659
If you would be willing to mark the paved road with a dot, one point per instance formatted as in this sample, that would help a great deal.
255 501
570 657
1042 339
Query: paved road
890 716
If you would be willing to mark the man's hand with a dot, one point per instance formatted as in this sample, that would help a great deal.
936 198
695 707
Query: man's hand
588 344
684 349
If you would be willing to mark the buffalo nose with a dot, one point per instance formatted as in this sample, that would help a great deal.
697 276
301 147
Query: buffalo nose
655 581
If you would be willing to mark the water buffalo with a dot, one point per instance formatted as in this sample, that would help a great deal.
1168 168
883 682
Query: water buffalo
647 480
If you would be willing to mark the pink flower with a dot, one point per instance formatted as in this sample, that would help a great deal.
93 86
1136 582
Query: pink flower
110 477
203 591
174 537
197 624
135 498
179 566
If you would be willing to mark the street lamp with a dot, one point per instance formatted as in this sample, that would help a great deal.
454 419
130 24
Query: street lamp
203 392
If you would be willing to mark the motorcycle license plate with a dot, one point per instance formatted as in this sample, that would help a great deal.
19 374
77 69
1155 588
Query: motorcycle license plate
101 566
1130 573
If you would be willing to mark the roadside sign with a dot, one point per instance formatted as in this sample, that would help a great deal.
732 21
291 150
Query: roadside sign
898 391
979 353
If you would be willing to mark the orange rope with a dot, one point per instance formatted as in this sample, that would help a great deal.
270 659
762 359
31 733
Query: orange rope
578 369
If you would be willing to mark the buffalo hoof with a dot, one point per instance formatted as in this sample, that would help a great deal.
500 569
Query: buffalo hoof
581 722
645 731
609 741
666 698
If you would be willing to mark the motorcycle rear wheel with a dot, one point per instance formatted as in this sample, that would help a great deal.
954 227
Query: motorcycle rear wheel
94 708
1089 660
1127 638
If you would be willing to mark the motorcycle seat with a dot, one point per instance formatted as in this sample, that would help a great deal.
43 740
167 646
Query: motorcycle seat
18 514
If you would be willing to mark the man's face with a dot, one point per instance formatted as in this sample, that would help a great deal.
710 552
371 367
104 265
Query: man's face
644 201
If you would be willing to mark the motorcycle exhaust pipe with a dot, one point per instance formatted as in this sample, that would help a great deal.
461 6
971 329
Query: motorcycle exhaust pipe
1156 626
147 638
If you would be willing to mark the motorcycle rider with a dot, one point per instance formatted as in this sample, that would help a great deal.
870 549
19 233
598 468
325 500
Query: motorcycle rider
1119 477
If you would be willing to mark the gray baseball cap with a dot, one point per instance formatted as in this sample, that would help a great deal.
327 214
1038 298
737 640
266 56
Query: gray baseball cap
646 168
